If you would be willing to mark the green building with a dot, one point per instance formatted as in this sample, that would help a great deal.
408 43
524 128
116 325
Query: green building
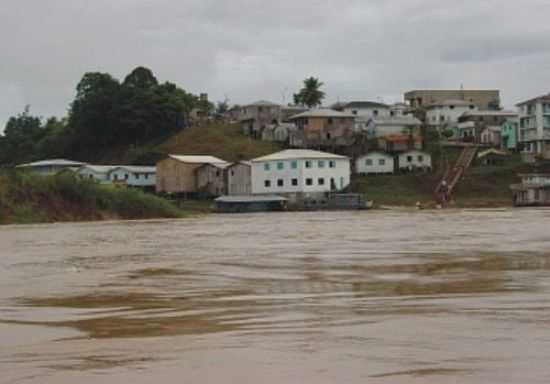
509 135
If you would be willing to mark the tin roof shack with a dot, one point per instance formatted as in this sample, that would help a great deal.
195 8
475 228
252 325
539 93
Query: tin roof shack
534 190
399 142
493 157
176 173
322 127
211 179
239 179
51 167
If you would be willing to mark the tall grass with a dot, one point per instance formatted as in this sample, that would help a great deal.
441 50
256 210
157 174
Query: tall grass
26 198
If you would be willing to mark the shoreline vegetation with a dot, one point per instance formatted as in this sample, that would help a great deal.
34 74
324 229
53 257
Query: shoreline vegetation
27 199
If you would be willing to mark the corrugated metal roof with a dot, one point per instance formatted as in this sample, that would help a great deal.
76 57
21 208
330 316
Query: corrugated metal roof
321 113
98 168
197 159
543 98
137 168
291 154
53 162
250 199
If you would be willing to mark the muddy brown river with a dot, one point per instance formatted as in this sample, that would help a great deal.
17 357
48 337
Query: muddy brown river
361 297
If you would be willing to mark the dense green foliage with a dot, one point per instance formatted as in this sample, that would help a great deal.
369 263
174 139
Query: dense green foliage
105 113
27 198
310 95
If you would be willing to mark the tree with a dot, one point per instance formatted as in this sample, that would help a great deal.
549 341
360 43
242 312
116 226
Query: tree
141 78
310 95
21 134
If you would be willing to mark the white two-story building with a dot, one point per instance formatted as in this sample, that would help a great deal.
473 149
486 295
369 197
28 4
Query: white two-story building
534 127
296 171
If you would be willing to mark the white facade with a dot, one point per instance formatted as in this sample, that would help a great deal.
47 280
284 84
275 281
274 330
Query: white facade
374 163
96 172
534 117
446 114
134 176
412 160
300 171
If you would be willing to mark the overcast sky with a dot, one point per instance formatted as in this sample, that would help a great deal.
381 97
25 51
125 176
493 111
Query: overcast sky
247 50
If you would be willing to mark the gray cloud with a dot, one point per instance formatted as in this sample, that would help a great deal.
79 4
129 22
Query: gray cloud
252 49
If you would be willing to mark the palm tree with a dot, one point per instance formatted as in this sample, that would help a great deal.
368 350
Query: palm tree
310 95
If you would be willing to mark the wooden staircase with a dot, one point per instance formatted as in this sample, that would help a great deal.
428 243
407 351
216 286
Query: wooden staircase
453 175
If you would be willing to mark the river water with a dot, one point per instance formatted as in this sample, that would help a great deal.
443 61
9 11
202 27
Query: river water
320 297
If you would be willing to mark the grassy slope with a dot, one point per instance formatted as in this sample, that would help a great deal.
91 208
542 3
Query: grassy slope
26 198
223 141
481 187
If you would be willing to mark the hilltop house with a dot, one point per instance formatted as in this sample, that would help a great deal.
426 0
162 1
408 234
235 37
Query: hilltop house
483 127
239 178
374 163
414 160
480 98
445 114
257 116
534 127
176 173
299 171
50 167
319 127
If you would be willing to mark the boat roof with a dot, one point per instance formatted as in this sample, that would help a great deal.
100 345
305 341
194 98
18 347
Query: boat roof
250 199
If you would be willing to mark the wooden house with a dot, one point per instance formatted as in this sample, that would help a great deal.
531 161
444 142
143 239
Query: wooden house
211 179
238 178
176 173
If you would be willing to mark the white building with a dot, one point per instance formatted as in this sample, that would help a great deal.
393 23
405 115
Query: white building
414 160
96 172
534 125
445 114
366 109
135 176
51 167
374 163
299 171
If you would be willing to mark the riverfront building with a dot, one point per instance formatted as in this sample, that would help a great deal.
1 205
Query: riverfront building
534 126
295 171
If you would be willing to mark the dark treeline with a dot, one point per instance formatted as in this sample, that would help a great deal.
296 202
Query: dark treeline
105 113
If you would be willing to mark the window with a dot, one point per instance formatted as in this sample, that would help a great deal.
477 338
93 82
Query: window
368 162
321 163
294 182
392 113
280 183
420 158
267 183
330 120
332 164
354 112
260 109
125 176
321 181
280 165
294 164
136 175
452 107
266 167
375 112
442 118
308 164
409 159
217 173
309 181
382 162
